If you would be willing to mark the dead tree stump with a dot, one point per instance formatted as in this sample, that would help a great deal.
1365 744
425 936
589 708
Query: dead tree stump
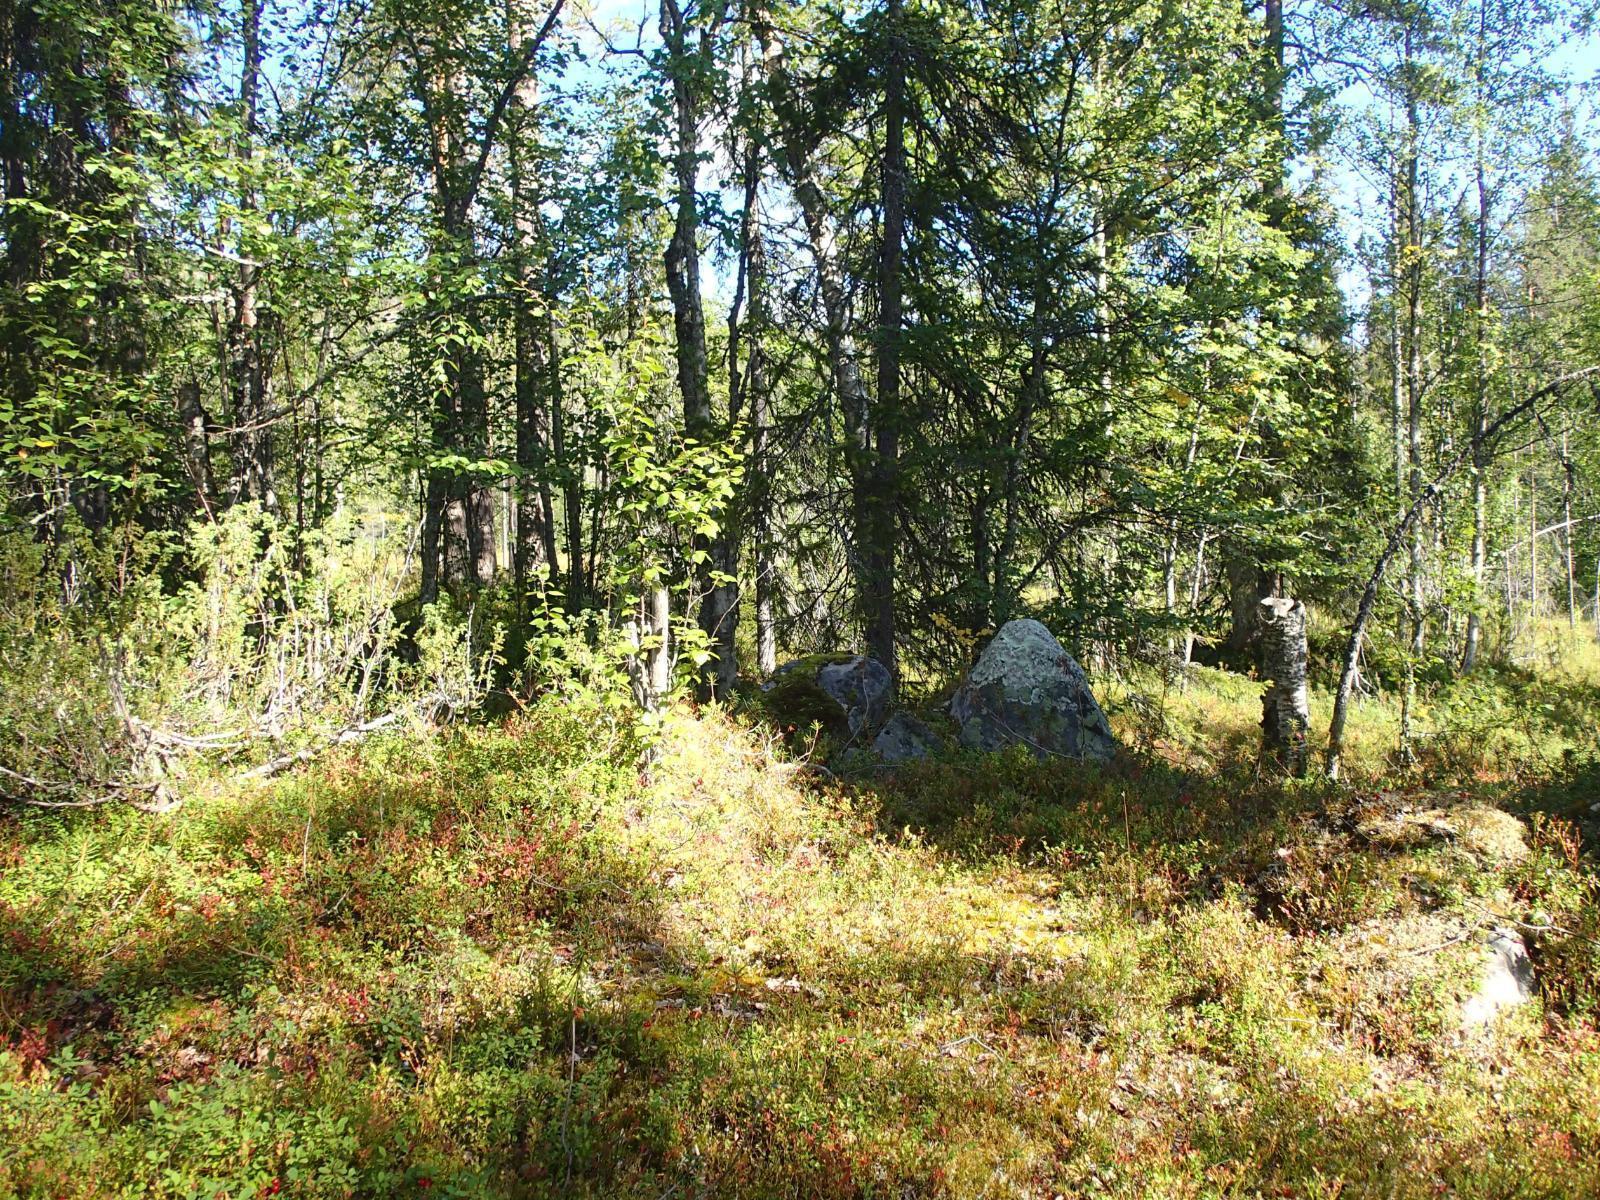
1285 706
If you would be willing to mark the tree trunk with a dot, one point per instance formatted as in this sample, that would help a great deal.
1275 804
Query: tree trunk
460 149
1533 553
1248 586
1285 705
1567 480
478 491
650 631
881 533
1032 394
1169 553
433 502
444 556
1397 351
683 253
688 312
1413 357
533 542
252 440
196 443
766 564
757 385
457 545
719 616
1197 579
1480 383
572 487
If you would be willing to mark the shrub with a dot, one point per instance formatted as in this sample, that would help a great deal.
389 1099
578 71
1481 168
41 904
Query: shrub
274 642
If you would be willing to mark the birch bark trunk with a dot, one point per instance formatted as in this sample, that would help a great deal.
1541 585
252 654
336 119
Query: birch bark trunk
1285 705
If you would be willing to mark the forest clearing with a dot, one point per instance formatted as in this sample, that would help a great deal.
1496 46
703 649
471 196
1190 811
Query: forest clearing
773 598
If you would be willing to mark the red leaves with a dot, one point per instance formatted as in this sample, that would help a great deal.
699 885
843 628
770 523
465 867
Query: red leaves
33 1045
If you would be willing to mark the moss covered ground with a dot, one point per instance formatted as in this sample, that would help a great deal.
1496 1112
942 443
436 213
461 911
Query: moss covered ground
496 962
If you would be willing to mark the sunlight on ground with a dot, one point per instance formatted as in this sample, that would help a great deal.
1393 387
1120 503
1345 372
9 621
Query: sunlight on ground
497 965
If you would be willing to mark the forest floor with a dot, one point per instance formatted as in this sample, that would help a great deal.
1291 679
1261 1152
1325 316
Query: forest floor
495 963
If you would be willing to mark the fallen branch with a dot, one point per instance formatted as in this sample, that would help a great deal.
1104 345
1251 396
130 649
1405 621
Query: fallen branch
28 781
352 733
160 798
111 791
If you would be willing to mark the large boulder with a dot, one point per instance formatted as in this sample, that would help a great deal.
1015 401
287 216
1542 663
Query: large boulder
1026 688
848 693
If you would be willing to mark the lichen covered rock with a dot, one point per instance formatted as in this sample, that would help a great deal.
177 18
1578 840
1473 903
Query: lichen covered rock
1505 980
1025 688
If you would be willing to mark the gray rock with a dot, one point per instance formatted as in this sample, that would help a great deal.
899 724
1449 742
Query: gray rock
1026 688
1506 982
904 738
858 686
861 687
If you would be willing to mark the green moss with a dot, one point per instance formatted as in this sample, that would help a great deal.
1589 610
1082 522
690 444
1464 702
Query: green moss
794 701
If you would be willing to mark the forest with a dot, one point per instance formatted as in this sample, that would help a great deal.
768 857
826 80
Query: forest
799 598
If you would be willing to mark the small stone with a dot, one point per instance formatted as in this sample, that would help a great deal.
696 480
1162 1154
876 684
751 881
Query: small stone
1506 982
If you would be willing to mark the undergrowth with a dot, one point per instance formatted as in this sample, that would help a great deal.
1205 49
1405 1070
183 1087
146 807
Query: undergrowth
499 963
